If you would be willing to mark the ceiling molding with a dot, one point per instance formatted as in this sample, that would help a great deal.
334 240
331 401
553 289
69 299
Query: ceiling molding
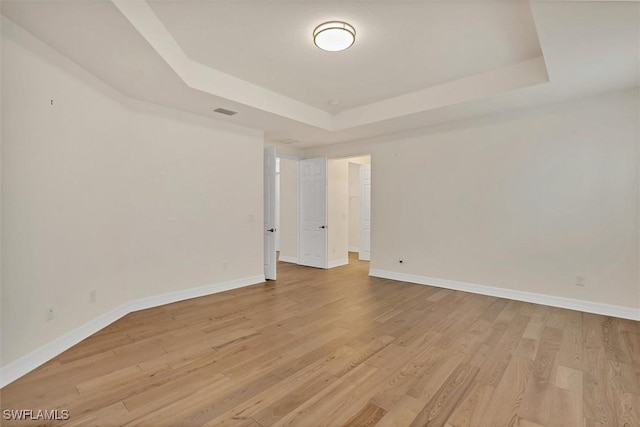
209 80
516 76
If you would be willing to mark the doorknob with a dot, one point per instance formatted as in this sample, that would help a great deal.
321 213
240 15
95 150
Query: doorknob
271 230
323 226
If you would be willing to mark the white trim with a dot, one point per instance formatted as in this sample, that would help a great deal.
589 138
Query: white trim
14 370
338 263
19 367
287 258
158 300
354 249
554 301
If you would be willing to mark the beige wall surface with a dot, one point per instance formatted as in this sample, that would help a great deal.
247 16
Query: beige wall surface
289 208
99 194
338 209
526 203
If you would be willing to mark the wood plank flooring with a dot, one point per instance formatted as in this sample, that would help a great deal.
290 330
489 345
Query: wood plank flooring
336 347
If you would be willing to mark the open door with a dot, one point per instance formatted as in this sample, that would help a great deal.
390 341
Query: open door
313 213
270 213
365 217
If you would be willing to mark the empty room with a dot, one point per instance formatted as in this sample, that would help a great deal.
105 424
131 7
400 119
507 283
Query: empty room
320 213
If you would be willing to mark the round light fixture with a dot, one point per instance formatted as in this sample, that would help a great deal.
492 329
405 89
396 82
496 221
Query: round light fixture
334 36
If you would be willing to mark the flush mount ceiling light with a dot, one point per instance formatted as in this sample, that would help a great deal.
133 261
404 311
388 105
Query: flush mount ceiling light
334 36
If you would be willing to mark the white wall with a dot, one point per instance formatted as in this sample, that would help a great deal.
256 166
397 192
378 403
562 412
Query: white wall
191 228
101 193
288 209
524 202
338 209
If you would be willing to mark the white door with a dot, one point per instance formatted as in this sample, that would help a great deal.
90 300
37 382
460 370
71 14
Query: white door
313 213
365 219
270 213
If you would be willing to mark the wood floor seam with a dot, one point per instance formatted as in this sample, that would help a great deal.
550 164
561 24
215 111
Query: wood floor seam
339 348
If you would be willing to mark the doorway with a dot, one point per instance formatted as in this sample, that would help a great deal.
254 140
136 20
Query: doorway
358 207
345 210
287 212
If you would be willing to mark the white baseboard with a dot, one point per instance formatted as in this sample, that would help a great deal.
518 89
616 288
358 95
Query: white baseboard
19 367
285 258
14 370
338 263
554 301
354 249
157 300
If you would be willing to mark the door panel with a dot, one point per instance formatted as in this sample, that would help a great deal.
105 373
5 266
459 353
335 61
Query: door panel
313 213
269 213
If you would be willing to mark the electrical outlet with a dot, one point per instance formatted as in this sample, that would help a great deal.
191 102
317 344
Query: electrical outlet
50 313
580 280
92 296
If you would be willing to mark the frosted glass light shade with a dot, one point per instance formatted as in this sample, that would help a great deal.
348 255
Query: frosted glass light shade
334 36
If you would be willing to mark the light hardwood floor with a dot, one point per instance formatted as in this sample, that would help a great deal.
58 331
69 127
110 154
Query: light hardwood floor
332 348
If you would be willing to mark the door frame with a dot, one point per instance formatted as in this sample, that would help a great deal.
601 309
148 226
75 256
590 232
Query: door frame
298 178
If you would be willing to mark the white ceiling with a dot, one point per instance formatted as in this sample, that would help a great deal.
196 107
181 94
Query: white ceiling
414 64
399 48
